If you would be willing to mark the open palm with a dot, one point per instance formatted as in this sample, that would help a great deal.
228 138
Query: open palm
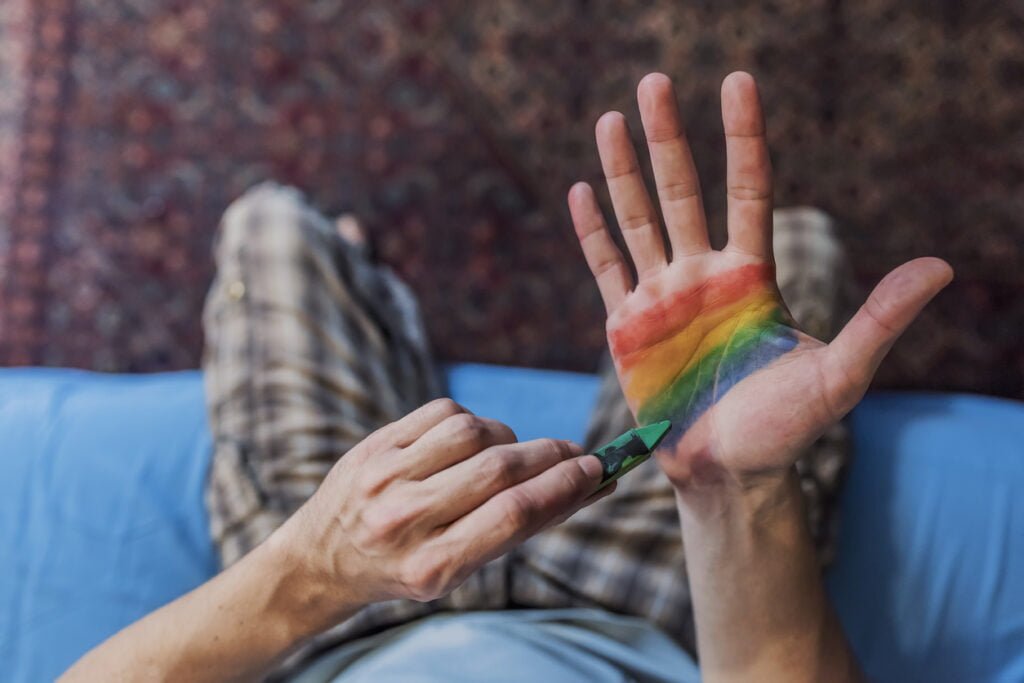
703 337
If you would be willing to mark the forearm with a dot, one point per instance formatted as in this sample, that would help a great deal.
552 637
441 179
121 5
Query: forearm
373 531
233 628
759 602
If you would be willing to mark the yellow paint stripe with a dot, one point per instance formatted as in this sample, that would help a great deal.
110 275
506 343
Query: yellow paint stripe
654 370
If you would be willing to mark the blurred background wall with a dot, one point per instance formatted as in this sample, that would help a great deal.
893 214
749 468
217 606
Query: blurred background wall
453 128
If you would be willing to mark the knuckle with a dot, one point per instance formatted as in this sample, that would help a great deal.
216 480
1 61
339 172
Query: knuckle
554 447
379 440
603 264
660 135
574 479
503 434
365 483
749 192
382 523
369 479
425 579
517 511
881 314
469 427
634 223
677 191
500 468
447 407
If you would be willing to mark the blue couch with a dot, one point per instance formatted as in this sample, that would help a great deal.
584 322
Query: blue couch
101 515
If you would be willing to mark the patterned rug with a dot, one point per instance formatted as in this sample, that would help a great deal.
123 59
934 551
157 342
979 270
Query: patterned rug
453 129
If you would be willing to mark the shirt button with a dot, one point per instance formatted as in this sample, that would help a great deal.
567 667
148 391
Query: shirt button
236 290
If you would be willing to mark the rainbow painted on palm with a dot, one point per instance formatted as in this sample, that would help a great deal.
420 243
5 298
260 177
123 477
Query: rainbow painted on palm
679 357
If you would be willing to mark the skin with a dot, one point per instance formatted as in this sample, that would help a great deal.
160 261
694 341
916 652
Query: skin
760 609
420 504
410 512
681 357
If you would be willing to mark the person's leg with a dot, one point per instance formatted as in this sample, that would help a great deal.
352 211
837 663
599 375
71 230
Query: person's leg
309 348
625 552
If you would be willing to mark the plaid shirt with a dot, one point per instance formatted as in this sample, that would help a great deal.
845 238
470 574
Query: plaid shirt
311 347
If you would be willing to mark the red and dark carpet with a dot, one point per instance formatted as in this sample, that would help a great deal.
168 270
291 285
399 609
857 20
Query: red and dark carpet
453 129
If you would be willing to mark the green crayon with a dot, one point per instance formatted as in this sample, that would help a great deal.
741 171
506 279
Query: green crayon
629 450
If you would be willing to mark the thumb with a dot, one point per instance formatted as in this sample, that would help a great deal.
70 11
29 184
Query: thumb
855 354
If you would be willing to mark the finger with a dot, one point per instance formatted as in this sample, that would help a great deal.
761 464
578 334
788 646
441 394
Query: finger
586 502
674 171
855 354
515 514
414 425
449 442
466 486
748 167
633 208
602 255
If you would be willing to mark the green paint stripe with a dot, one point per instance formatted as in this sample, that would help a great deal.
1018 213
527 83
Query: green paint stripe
700 378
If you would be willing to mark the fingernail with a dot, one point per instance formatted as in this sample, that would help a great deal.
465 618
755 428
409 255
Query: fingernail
591 466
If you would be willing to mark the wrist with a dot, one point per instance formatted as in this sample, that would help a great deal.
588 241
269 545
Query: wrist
303 597
755 581
756 498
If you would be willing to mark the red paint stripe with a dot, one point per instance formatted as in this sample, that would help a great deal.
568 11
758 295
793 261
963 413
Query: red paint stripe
668 316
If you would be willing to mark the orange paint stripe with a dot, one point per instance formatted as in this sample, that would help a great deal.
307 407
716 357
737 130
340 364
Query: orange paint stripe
648 372
668 316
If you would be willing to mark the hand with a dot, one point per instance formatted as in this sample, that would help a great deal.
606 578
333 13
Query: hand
408 513
420 504
703 338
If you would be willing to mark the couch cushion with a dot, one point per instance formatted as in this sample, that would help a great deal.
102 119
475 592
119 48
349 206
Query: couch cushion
102 520
101 516
930 577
